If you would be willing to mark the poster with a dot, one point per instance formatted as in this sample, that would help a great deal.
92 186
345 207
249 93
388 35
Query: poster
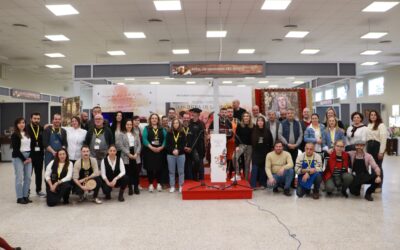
183 69
70 107
218 158
281 99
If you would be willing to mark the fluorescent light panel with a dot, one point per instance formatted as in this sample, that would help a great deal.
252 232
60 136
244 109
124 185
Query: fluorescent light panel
62 9
190 82
369 63
216 33
167 5
180 51
374 35
298 82
249 77
309 51
272 86
154 83
120 83
57 38
53 66
263 82
370 52
297 34
246 51
116 53
135 35
54 55
241 85
226 82
275 4
380 6
129 79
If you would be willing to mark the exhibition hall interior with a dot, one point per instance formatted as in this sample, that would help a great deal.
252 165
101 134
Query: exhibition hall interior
199 124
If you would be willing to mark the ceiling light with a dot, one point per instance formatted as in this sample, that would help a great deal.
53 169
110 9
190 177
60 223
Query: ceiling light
226 82
216 33
263 82
62 9
167 5
53 66
374 35
309 51
116 53
169 78
54 55
275 4
298 82
135 35
249 77
290 77
120 83
57 38
380 6
246 51
190 82
129 79
272 86
369 63
180 51
241 85
154 83
297 34
370 52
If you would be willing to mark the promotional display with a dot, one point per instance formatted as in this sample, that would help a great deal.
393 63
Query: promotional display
70 107
197 69
218 158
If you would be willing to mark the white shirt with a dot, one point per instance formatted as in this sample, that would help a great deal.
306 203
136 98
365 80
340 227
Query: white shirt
131 139
318 135
112 164
359 135
68 177
379 135
75 138
25 143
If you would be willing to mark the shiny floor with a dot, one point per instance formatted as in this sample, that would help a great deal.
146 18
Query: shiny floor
164 221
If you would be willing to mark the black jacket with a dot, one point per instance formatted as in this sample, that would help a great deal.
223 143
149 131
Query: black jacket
16 145
170 142
107 134
33 139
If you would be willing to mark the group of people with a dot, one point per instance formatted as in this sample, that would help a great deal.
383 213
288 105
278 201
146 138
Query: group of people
90 155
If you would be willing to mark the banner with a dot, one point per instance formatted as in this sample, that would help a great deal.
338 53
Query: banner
183 69
218 158
70 107
25 94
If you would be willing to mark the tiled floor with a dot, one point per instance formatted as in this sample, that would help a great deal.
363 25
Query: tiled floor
164 221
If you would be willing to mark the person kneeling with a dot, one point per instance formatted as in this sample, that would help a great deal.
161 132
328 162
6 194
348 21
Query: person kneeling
86 173
336 173
58 179
113 174
279 168
308 169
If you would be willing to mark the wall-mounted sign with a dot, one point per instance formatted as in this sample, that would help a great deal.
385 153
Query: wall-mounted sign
217 69
25 94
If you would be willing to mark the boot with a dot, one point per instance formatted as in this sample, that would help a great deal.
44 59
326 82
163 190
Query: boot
121 195
136 189
130 192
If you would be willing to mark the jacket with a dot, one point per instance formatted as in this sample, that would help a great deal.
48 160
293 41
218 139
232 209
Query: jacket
123 144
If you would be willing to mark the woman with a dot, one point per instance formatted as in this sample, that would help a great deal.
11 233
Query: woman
356 132
330 112
154 143
129 143
75 137
330 135
336 174
58 178
314 133
243 145
22 162
262 144
376 140
175 144
138 132
116 127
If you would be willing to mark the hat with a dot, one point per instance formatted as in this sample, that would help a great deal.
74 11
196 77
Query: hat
359 142
196 110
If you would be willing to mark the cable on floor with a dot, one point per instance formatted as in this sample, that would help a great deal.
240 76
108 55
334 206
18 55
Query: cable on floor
292 235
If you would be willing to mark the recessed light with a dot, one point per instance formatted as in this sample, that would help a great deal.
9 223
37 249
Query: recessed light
249 77
241 85
374 35
167 5
120 83
169 78
309 51
135 35
370 52
180 51
246 51
57 38
154 83
263 82
272 86
216 33
369 63
380 6
191 82
129 79
54 55
226 82
53 66
116 53
297 34
298 82
275 4
62 9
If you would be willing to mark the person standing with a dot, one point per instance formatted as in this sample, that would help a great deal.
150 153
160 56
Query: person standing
256 113
274 126
243 145
314 134
188 141
330 112
22 161
231 123
356 132
376 141
330 135
54 139
197 148
237 110
97 111
116 128
35 131
75 137
305 123
85 121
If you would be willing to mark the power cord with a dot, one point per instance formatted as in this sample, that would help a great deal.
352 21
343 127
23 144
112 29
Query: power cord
292 235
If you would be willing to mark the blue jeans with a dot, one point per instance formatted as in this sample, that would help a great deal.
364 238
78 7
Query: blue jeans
285 180
174 160
255 172
22 176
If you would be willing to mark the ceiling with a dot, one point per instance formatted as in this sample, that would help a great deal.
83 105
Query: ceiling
335 28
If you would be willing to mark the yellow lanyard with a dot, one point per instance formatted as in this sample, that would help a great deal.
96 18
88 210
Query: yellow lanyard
54 131
309 162
59 170
98 133
35 133
155 131
176 138
332 136
186 131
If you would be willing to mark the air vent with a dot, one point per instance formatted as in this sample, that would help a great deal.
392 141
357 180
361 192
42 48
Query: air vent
277 40
164 40
154 20
291 26
20 25
385 41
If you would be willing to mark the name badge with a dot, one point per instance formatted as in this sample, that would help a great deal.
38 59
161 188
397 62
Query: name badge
96 147
156 142
261 140
37 149
98 141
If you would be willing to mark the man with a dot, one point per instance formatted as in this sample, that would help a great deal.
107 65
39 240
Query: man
165 123
279 168
99 138
237 110
360 164
187 149
274 126
97 111
35 131
197 147
232 123
54 138
85 121
256 113
308 169
282 115
292 134
305 123
171 115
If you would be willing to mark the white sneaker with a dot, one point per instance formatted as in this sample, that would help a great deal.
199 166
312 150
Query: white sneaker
140 187
238 178
180 189
171 190
159 188
97 201
151 188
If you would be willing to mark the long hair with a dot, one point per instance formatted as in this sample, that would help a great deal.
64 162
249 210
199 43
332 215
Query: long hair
327 124
114 122
57 159
258 132
16 129
158 119
378 119
326 114
123 129
250 120
172 129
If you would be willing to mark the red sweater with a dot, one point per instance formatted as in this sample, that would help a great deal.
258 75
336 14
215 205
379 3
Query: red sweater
332 164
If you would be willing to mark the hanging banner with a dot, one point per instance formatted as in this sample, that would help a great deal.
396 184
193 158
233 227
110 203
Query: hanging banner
70 107
217 69
218 158
25 94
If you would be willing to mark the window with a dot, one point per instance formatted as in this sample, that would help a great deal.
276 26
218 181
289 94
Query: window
396 110
341 92
360 89
329 94
318 96
375 86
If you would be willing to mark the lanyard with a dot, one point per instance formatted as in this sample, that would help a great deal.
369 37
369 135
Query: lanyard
332 136
309 162
83 166
58 132
176 138
59 171
155 131
35 133
98 133
185 130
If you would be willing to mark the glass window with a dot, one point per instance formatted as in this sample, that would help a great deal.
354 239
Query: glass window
396 110
329 94
341 92
376 86
318 96
360 89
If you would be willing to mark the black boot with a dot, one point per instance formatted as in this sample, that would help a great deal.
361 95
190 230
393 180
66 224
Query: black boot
27 200
136 189
368 197
130 192
344 193
21 201
121 195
